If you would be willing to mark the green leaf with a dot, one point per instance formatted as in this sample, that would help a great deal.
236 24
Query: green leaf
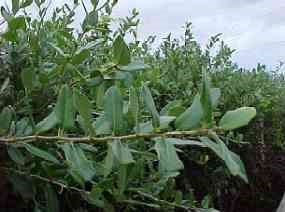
5 120
64 109
47 124
148 100
5 14
182 142
113 107
109 161
23 127
16 155
133 108
80 56
135 66
147 127
58 50
28 78
100 93
79 164
123 178
121 153
15 6
169 161
167 109
90 20
206 99
215 96
52 200
5 85
17 23
121 52
237 118
192 117
103 126
84 107
165 121
96 197
95 3
41 153
232 161
26 3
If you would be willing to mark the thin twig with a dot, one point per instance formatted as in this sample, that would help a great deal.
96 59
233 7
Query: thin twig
44 179
162 202
81 191
62 139
139 203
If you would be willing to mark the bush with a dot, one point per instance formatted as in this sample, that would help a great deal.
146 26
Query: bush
91 122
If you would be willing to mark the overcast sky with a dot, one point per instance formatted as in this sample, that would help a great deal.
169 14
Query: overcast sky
255 28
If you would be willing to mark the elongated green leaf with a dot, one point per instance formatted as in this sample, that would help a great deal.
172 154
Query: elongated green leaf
123 178
79 164
147 127
103 126
121 52
58 50
5 14
148 100
28 78
52 200
15 6
168 158
64 109
100 93
135 66
133 108
121 153
113 107
26 3
182 142
215 96
237 118
90 20
5 120
80 56
109 161
47 124
206 99
23 127
165 121
5 85
192 117
95 3
16 155
41 153
84 108
232 160
96 197
167 109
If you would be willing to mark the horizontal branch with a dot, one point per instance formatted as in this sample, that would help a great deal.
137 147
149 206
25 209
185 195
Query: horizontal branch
90 140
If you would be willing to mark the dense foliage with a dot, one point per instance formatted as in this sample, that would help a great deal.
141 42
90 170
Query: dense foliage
91 122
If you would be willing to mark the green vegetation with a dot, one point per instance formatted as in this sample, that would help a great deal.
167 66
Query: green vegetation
91 122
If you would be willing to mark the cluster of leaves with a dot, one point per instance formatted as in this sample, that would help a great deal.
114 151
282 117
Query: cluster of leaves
83 121
175 74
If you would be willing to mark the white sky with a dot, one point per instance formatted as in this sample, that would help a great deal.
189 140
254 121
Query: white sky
256 28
